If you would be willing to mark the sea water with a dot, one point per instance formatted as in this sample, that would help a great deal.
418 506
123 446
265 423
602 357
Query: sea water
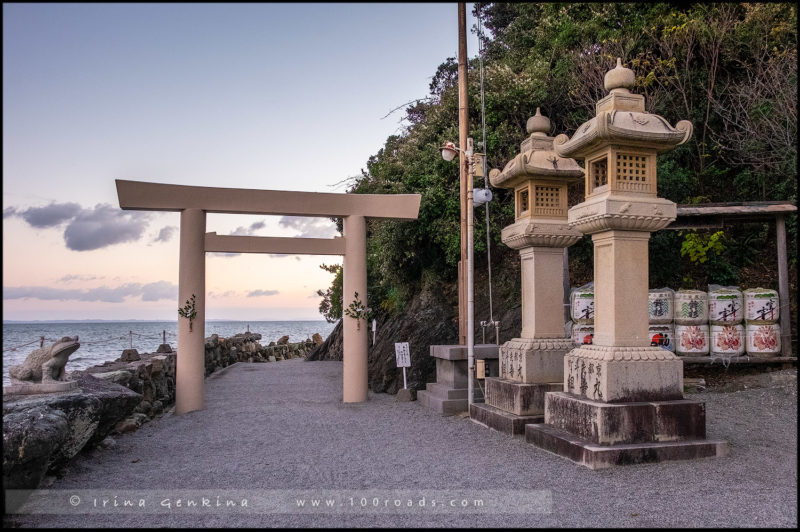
102 341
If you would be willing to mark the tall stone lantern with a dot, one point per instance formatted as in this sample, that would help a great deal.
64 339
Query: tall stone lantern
622 400
533 364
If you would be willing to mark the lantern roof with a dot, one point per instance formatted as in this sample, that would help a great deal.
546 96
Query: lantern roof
536 159
621 119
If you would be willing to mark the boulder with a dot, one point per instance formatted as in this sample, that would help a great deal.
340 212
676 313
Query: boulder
130 355
283 340
42 433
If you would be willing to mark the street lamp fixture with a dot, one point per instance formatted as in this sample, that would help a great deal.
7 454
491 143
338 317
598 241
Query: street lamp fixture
449 151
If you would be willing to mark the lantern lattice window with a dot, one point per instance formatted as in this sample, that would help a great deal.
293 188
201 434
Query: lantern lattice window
547 200
632 173
599 173
523 201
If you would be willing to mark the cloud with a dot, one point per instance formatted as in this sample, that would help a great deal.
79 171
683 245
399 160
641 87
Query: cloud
103 226
260 293
309 227
47 216
241 231
147 292
166 233
80 277
159 290
248 231
229 293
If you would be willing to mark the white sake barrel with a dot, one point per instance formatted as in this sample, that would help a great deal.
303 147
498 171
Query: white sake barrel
761 306
691 340
725 307
763 340
582 334
691 307
662 336
660 305
582 306
727 340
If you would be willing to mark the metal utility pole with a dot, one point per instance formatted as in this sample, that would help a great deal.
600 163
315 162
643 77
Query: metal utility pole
466 185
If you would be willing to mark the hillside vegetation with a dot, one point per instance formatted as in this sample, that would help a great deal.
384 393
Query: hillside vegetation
729 68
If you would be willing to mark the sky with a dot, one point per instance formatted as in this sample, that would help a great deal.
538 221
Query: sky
265 96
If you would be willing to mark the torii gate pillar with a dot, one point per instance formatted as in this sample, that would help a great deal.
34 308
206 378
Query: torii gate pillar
354 279
190 370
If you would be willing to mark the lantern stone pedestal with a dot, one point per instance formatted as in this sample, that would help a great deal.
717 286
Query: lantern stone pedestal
622 400
448 395
533 364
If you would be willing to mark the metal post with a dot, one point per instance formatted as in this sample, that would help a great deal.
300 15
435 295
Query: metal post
566 283
130 335
783 287
41 341
470 290
164 336
463 128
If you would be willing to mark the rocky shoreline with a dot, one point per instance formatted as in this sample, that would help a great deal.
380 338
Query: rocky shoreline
43 433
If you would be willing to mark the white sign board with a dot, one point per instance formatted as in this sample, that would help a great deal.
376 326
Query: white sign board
402 354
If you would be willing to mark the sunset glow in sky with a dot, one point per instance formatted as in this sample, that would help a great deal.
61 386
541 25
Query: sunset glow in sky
268 96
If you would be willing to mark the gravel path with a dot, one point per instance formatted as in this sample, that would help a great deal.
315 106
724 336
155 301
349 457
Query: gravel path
283 427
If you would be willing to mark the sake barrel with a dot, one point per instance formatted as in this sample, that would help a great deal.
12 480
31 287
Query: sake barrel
660 305
761 306
725 307
691 307
662 336
763 340
582 307
582 334
727 340
691 340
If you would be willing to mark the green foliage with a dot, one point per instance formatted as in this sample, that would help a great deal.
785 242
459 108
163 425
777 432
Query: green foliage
188 311
729 68
331 305
357 310
698 247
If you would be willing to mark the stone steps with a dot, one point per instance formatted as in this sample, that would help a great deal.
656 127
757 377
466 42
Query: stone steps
500 420
594 456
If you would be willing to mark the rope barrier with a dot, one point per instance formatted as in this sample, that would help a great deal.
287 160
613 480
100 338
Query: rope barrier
18 346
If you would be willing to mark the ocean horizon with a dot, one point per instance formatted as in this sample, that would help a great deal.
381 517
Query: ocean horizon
103 340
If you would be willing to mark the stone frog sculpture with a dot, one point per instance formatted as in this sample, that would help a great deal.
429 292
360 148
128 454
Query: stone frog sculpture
47 363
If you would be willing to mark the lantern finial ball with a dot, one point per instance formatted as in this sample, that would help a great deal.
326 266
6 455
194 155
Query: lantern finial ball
538 124
619 77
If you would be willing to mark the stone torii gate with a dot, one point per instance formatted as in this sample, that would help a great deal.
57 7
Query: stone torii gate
194 202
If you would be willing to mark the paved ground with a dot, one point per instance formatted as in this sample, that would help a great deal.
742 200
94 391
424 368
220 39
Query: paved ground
278 431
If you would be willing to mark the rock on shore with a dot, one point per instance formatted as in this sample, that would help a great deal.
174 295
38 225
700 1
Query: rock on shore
43 433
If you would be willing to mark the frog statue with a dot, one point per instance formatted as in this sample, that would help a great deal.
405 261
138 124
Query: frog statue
46 364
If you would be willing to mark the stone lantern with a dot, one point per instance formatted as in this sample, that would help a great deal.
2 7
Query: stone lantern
533 364
622 399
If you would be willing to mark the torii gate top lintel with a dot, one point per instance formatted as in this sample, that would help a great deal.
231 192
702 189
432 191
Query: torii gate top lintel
141 195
